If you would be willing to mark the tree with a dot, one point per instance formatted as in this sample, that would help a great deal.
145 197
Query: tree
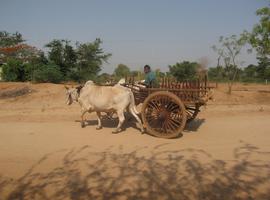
259 39
267 73
13 70
135 73
29 63
159 74
48 73
104 78
17 57
10 39
90 59
12 46
184 70
122 71
17 70
250 74
62 54
260 36
228 52
216 73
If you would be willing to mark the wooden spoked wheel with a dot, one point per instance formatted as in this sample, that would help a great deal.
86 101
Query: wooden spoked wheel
163 114
192 111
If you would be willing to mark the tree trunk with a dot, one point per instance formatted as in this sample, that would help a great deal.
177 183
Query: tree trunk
230 87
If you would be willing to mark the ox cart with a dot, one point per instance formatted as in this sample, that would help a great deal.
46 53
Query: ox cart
166 109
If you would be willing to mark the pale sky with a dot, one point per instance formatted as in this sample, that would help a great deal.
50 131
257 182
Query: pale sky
136 32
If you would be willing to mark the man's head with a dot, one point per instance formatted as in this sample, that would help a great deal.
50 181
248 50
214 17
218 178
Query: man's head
147 69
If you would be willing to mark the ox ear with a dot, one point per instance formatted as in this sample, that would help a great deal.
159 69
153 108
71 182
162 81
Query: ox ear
66 87
78 88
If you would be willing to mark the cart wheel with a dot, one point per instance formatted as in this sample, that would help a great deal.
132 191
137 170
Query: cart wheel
163 115
192 112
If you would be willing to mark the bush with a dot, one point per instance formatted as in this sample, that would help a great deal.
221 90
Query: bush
13 70
184 71
48 73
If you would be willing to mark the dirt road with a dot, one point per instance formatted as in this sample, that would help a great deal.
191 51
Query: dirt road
45 154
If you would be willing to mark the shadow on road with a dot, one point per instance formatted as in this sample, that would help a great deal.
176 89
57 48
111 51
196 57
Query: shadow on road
161 174
192 126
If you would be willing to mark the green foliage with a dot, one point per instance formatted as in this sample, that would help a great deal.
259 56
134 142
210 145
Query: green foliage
64 62
17 70
122 71
263 65
184 71
42 59
103 78
8 39
216 73
159 74
56 51
80 63
251 71
267 73
63 55
13 70
12 46
135 73
259 38
48 73
251 74
75 76
90 58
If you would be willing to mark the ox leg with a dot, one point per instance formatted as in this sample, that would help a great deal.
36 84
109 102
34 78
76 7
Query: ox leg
137 118
82 117
121 118
99 121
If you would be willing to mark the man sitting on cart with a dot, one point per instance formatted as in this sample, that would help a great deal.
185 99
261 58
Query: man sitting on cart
150 77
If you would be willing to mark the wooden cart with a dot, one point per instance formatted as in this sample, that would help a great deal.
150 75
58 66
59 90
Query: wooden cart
166 109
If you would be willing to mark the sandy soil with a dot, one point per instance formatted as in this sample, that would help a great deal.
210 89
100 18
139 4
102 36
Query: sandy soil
45 154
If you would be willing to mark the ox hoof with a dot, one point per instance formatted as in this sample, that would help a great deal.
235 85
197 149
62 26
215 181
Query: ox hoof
99 127
116 131
82 125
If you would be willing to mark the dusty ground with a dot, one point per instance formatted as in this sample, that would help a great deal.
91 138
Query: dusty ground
45 154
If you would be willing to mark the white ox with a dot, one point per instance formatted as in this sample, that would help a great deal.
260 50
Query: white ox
96 98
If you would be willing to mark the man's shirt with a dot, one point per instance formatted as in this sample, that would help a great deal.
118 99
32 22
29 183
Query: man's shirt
150 79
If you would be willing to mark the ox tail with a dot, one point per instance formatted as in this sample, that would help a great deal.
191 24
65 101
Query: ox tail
132 105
